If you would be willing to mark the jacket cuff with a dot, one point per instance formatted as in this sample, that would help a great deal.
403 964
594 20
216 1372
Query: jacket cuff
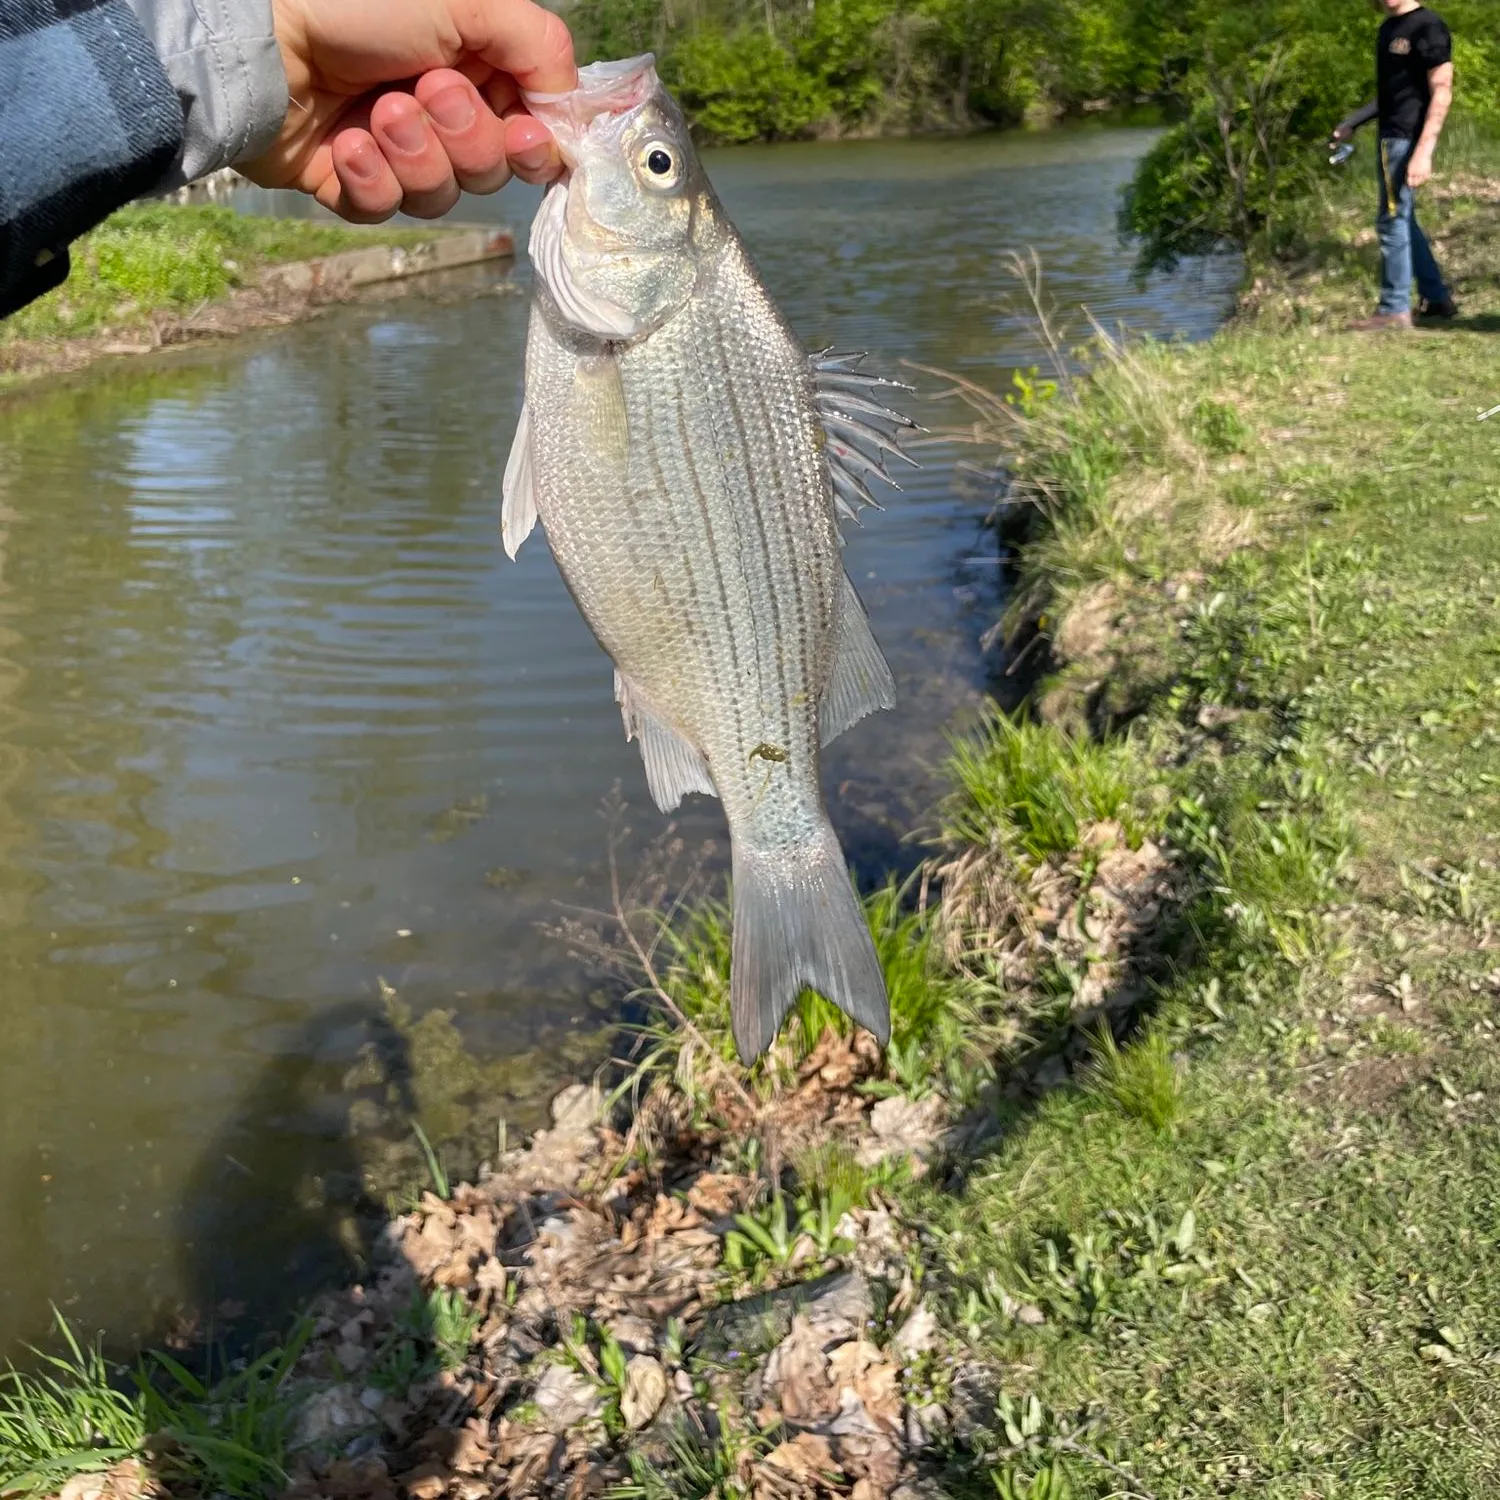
224 62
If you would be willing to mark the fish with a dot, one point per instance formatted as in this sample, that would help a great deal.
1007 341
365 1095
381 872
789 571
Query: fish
690 462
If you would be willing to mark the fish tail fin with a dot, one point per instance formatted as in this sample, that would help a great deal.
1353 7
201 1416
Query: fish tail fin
798 923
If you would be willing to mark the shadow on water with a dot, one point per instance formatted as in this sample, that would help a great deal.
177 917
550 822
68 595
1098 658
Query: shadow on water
276 1208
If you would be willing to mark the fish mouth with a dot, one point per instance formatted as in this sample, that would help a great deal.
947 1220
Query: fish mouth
605 89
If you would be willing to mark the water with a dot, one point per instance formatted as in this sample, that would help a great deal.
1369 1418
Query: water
279 725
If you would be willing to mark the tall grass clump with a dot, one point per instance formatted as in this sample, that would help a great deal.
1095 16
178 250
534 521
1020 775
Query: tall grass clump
66 1418
932 1016
1141 1080
1033 789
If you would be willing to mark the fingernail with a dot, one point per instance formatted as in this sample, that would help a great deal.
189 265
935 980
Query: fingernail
363 161
453 109
533 157
407 133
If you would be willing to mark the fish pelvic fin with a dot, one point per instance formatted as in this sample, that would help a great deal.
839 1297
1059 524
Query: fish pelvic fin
518 489
673 767
860 681
798 924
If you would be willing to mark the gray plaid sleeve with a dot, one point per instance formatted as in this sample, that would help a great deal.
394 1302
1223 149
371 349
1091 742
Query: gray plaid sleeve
88 121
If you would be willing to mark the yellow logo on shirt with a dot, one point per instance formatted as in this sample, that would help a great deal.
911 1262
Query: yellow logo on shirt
1401 46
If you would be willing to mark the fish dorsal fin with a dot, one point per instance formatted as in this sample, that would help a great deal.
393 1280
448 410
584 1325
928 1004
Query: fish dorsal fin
518 490
673 767
861 680
583 309
860 429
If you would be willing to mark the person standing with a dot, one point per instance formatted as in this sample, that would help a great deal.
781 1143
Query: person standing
1414 68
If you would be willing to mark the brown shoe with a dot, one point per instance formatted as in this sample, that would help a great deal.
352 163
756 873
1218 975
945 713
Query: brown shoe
1383 323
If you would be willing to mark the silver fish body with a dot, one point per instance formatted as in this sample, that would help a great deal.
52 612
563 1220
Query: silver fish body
676 446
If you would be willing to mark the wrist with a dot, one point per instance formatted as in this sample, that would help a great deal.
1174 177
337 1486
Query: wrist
289 24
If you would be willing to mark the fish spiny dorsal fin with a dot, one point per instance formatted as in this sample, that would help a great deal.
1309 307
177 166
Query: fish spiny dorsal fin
859 427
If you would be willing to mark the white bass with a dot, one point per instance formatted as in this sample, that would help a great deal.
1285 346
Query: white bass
689 461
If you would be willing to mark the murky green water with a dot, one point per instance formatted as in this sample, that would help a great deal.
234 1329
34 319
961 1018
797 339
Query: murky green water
279 724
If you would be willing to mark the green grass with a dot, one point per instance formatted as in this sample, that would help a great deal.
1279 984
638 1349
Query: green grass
224 1432
66 1418
1310 660
167 258
1036 788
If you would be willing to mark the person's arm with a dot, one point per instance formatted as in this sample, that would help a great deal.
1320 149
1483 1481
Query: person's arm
88 121
1350 123
224 62
1419 167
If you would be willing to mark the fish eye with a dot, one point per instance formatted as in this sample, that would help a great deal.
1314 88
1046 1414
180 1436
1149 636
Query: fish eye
659 166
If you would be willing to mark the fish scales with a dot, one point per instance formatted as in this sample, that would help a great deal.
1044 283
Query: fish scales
673 447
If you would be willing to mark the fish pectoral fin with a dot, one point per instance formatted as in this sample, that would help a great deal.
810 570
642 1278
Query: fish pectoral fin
673 767
518 490
861 680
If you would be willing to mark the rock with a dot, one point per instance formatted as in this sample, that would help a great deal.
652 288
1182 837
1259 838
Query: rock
565 1399
85 1486
919 1489
838 1306
1051 1074
903 1127
925 1425
334 1414
645 1390
918 1334
577 1109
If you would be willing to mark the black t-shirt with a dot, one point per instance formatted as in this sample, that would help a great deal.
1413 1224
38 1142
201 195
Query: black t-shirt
1410 46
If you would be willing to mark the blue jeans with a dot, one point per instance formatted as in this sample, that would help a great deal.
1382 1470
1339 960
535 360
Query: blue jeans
1404 250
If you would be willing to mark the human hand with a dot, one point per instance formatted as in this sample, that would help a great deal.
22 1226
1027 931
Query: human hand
400 104
1341 132
1419 168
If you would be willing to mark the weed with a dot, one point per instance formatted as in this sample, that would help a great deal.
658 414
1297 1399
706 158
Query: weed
228 1435
68 1418
1036 788
1141 1080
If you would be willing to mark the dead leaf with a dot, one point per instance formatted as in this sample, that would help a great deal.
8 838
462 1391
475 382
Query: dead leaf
861 1367
797 1375
806 1456
645 1390
426 1482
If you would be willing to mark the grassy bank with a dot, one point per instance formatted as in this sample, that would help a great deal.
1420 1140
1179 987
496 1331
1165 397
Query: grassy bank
156 274
1179 1176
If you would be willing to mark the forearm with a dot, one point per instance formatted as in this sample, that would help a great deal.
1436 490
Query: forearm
88 120
223 60
1437 116
1360 117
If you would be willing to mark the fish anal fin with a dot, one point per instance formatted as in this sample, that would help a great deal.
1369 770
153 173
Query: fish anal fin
860 681
518 490
673 767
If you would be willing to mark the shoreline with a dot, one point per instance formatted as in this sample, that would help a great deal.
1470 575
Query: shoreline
260 292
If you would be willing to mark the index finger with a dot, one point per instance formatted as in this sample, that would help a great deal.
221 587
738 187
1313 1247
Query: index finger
519 37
